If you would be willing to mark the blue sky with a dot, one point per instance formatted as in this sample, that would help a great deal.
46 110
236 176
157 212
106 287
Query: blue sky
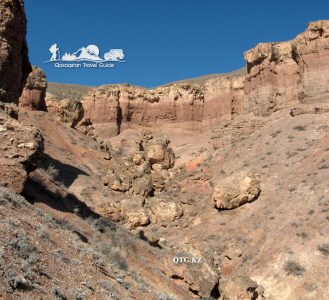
163 40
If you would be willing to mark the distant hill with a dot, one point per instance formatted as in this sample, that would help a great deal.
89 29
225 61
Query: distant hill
76 91
202 79
72 91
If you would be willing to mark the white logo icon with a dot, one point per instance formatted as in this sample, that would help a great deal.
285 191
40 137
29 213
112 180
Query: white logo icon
90 53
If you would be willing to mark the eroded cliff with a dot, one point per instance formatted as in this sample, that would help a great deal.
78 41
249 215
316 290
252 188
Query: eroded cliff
279 74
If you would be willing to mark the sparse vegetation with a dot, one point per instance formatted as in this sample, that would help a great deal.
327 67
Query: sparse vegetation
323 167
291 154
324 249
300 128
275 134
42 232
59 294
292 267
52 171
71 91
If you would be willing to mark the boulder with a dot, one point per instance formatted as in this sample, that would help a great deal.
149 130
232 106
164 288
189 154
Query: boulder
34 92
237 190
240 287
142 186
160 153
147 134
138 159
133 212
115 182
164 212
158 182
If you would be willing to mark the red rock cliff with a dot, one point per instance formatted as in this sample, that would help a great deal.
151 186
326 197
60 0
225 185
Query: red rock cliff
278 75
193 106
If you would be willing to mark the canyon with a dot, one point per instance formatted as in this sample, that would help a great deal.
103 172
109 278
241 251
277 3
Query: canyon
207 188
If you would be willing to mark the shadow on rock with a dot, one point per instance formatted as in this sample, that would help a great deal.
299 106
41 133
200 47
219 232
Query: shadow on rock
58 171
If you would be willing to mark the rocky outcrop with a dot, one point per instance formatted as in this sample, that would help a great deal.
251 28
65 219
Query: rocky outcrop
200 278
271 83
14 61
142 172
20 148
34 92
69 111
240 287
10 109
311 52
281 74
237 190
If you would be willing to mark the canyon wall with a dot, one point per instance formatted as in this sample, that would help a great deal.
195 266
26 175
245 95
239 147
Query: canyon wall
14 61
279 75
21 146
193 106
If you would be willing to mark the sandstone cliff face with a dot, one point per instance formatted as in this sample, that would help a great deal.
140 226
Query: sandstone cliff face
281 74
278 75
311 49
193 106
34 92
14 62
68 110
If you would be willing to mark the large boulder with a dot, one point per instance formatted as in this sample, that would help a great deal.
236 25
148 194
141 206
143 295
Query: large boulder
133 212
164 212
14 61
159 153
237 190
34 92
